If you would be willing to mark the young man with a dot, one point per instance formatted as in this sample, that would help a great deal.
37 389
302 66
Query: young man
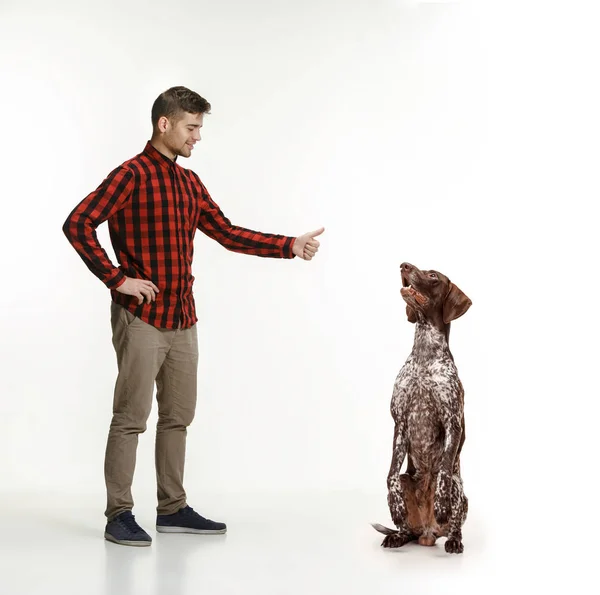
153 207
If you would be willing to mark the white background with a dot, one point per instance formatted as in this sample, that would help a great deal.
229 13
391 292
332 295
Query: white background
461 137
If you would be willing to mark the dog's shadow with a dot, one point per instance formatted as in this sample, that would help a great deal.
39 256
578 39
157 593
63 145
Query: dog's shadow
412 547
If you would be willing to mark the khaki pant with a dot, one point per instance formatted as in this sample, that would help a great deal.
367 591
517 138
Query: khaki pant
146 355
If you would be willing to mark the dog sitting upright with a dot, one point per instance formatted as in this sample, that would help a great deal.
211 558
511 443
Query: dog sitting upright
428 501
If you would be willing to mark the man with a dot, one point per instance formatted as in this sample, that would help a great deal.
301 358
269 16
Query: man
153 207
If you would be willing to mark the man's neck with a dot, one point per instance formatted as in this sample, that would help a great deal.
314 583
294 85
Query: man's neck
162 149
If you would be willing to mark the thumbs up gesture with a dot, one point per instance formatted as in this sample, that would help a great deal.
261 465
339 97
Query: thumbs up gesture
306 246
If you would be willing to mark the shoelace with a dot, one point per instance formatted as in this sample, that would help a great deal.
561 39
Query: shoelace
130 524
188 510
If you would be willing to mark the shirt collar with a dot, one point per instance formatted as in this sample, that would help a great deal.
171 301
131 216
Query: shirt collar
158 157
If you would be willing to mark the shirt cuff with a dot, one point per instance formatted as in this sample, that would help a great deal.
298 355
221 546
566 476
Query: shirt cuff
115 280
287 248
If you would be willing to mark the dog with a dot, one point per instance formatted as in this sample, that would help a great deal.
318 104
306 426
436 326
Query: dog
428 501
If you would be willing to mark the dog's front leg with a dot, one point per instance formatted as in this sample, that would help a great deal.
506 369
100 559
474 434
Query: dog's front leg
396 500
443 490
458 515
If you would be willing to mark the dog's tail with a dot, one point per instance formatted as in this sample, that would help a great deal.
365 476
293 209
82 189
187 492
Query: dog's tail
382 529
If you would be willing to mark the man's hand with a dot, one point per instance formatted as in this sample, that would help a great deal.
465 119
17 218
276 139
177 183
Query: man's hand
305 246
140 288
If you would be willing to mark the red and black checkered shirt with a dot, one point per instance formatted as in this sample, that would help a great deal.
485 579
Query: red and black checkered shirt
153 207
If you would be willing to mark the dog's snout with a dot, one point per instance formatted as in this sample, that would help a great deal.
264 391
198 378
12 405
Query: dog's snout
406 267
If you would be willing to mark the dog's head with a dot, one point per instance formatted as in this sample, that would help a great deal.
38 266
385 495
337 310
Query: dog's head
429 295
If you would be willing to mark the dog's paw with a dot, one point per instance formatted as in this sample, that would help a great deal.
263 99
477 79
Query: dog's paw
454 546
395 540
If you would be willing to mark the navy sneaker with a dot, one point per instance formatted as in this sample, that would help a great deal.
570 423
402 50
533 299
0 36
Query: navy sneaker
125 531
186 520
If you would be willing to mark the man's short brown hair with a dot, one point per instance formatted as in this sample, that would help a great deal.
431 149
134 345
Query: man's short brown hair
173 102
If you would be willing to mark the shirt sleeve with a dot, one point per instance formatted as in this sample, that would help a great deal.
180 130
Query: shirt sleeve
214 224
80 226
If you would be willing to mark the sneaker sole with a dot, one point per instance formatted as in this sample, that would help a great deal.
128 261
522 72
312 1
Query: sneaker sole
112 539
162 529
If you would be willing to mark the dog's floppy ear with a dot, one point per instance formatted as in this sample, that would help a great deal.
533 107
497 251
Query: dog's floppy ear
455 304
411 314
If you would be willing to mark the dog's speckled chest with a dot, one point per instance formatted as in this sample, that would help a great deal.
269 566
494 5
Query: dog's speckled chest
427 390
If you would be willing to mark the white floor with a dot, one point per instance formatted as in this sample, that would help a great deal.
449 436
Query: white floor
317 543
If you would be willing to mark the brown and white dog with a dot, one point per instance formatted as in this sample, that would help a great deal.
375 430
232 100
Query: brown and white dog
427 501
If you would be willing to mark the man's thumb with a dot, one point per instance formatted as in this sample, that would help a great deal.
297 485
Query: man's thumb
318 232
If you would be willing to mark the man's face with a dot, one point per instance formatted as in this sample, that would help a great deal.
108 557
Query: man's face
181 136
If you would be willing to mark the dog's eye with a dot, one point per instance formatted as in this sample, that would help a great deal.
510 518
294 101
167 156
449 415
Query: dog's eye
433 275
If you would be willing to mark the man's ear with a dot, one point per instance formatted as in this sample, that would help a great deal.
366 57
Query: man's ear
163 124
455 304
411 314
